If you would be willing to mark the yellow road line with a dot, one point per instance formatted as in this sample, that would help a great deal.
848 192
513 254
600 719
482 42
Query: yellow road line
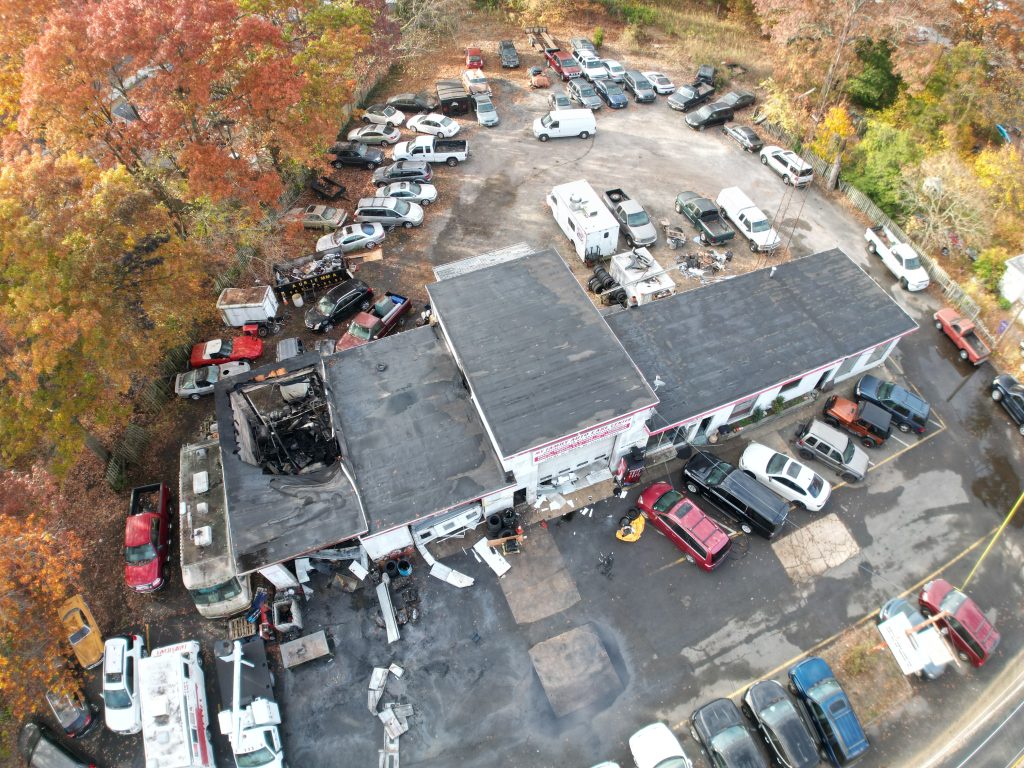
867 617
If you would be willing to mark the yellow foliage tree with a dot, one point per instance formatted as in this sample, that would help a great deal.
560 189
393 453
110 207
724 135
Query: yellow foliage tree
832 134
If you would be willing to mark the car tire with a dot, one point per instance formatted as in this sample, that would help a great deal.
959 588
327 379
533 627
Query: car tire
747 713
764 160
584 134
746 528
963 355
803 453
849 477
787 181
749 474
997 395
370 245
389 227
366 119
679 209
194 397
371 166
904 428
867 442
832 421
424 203
904 284
792 688
1021 429
337 164
692 488
872 249
704 238
451 162
753 247
407 224
938 325
701 127
543 137
800 505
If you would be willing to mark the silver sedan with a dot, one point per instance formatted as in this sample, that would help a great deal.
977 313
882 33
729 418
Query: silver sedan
413 191
350 238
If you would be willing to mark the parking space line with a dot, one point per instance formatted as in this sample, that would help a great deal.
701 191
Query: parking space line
864 619
894 437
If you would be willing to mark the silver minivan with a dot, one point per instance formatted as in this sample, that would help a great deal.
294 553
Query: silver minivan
820 442
389 212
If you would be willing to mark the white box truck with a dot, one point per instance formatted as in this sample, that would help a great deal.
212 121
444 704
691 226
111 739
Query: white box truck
641 276
585 220
748 219
243 306
249 714
175 724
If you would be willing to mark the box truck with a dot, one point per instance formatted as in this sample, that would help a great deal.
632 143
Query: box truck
585 220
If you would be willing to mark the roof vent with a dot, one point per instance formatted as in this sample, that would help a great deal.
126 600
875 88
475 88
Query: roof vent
202 537
200 482
203 508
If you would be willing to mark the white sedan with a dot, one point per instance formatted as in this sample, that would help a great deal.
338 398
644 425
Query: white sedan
660 82
350 238
383 114
655 746
433 124
201 381
375 134
787 477
413 191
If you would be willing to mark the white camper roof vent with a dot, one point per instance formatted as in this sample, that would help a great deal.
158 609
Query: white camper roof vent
202 508
202 537
200 482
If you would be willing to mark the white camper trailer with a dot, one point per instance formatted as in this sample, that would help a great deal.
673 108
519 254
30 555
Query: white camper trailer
585 220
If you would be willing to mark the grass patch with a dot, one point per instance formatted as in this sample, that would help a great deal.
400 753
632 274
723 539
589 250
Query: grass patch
705 38
870 677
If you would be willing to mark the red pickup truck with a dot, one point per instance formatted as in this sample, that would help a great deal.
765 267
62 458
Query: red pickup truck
563 64
961 331
381 319
147 537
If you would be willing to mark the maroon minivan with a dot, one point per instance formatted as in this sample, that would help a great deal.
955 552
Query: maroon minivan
685 525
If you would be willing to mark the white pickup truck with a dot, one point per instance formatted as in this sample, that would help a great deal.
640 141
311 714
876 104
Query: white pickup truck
899 258
748 219
432 150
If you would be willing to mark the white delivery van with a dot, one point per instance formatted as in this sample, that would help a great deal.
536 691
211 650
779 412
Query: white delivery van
565 122
748 219
584 219
175 717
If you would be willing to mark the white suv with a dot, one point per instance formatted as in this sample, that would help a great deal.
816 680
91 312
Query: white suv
121 706
593 68
789 165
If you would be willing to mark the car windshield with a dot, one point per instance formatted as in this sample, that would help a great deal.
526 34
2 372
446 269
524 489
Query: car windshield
642 84
586 91
776 715
667 501
140 554
402 207
446 122
329 213
116 698
638 219
702 114
613 90
217 593
912 263
848 452
953 601
776 463
326 305
485 106
806 172
225 349
208 375
79 635
816 486
717 474
760 226
825 690
261 756
188 380
546 121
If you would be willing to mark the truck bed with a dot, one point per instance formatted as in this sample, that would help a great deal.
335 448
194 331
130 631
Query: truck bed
256 681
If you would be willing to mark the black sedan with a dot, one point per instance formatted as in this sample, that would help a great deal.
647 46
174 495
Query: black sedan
611 94
709 115
414 102
1009 393
738 99
745 136
340 302
719 728
783 729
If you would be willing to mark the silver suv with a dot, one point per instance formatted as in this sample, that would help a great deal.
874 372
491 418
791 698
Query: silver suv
389 212
820 442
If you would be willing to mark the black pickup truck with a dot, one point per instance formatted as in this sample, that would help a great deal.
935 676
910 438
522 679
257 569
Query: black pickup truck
704 216
687 97
508 54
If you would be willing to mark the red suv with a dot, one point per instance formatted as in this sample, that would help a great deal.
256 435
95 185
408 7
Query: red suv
474 58
973 635
147 538
685 525
563 64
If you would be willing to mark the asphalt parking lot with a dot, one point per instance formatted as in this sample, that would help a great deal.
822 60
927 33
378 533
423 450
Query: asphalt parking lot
674 637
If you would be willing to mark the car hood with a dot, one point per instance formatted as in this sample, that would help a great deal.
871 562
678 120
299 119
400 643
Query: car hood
314 317
716 717
142 574
810 672
247 346
125 720
653 744
755 458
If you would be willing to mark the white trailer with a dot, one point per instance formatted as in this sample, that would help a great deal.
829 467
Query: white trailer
241 306
175 725
585 220
641 276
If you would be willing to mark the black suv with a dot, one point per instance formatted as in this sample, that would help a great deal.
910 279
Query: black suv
708 115
736 493
1009 393
909 412
508 54
340 302
356 154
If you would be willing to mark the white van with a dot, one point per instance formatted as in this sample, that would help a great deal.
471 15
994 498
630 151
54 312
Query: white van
748 219
565 122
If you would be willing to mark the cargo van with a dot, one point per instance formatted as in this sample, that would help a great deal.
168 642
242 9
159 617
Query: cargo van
565 122
175 717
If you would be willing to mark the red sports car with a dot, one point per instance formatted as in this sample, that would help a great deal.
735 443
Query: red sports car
225 350
147 537
685 525
970 632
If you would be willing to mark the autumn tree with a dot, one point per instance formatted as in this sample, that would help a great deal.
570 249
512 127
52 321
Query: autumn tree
94 285
944 198
831 139
877 164
38 571
21 24
877 85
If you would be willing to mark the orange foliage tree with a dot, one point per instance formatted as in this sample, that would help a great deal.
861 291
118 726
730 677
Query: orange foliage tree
38 571
94 284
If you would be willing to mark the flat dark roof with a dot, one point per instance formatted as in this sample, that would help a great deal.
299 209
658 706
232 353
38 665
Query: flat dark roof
723 342
415 440
540 359
274 518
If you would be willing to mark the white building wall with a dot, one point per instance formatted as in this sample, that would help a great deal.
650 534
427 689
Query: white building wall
1012 284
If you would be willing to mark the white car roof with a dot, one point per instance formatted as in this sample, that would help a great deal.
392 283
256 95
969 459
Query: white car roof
212 347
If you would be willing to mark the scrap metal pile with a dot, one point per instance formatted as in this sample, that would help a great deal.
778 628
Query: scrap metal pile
300 269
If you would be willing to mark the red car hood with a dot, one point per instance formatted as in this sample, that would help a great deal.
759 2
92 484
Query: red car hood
246 347
347 340
142 574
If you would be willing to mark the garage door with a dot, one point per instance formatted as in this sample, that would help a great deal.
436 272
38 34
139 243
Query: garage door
571 461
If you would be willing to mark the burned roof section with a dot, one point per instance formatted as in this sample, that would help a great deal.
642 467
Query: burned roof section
415 440
541 361
289 490
722 342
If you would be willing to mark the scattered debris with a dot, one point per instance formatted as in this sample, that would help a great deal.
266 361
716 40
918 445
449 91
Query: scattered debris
378 678
357 568
606 563
305 648
443 572
387 609
393 725
388 757
497 563
396 670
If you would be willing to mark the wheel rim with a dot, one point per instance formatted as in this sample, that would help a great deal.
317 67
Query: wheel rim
997 395
904 428
764 161
745 528
691 487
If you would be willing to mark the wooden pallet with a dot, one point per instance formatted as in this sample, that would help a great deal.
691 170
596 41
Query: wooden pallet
240 628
